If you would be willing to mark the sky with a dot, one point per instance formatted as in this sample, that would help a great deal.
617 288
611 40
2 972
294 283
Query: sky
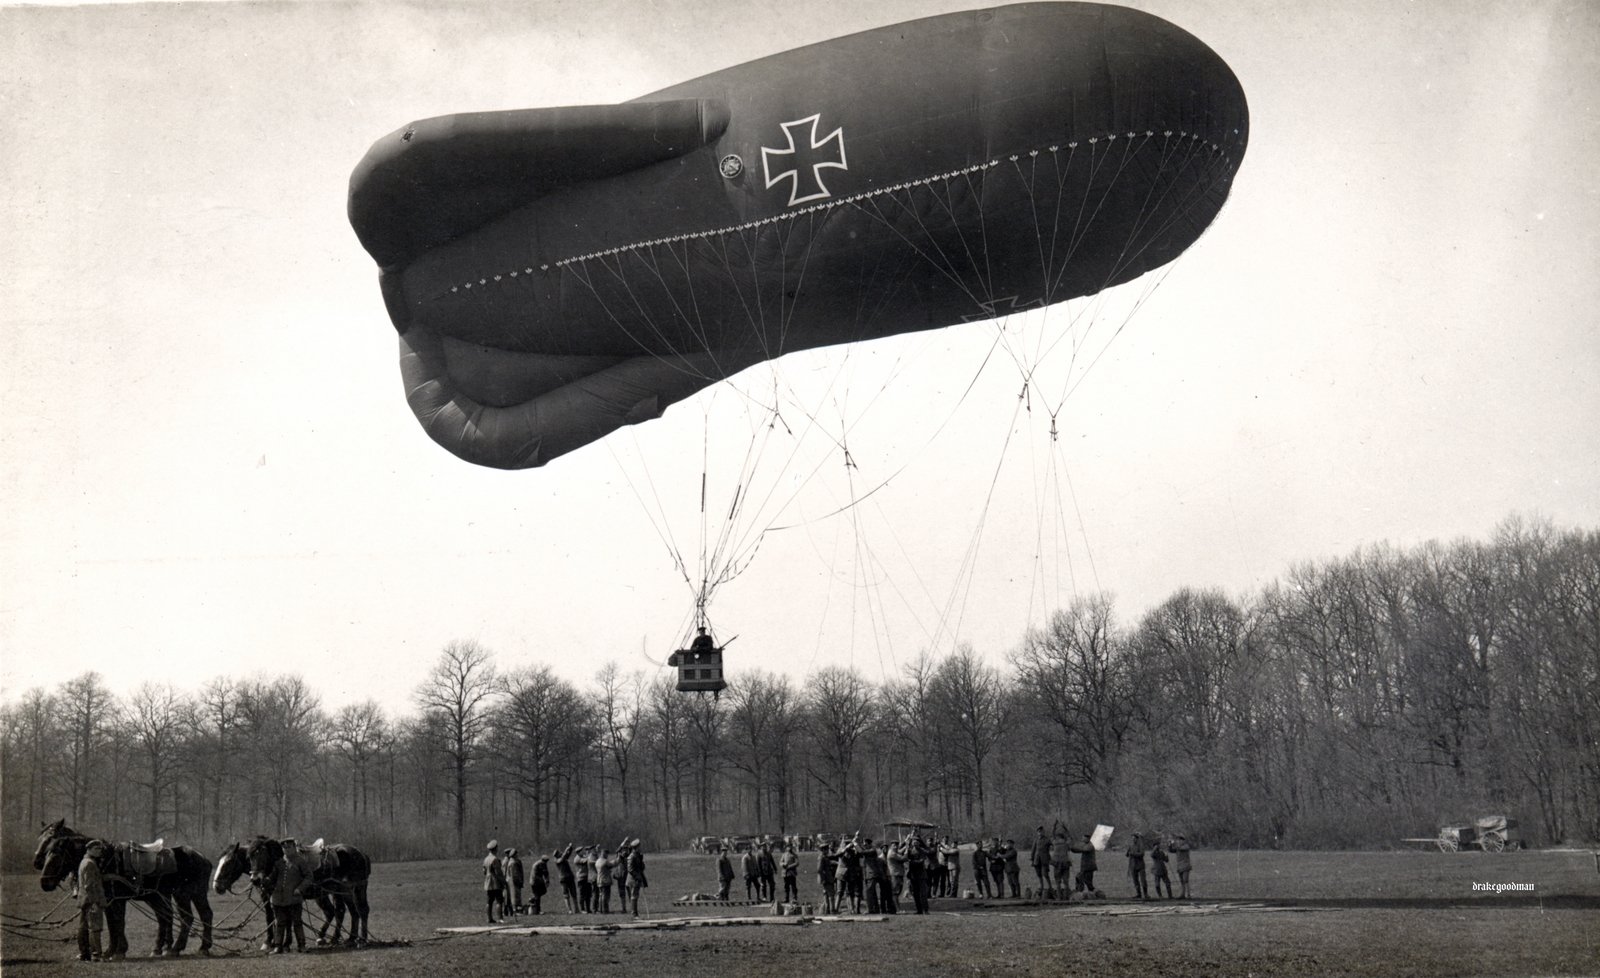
1388 335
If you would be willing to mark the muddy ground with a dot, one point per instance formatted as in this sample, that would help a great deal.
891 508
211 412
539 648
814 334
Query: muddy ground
1254 913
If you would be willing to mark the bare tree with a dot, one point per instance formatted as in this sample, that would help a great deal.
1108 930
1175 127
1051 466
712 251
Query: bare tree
839 711
547 727
360 732
158 720
87 712
619 702
971 698
458 694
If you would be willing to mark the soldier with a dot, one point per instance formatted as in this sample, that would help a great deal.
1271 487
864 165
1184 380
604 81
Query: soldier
91 903
1060 863
980 868
790 864
619 874
513 869
767 868
494 880
850 862
1013 869
917 874
1180 850
724 874
897 869
569 886
872 870
636 880
287 886
752 876
1039 858
827 867
950 854
997 868
584 867
1086 866
1158 862
1136 872
541 883
603 882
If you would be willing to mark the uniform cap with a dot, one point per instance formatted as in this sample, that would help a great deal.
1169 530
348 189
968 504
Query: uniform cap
494 844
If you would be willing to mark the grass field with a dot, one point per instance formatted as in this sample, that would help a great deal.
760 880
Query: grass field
1255 913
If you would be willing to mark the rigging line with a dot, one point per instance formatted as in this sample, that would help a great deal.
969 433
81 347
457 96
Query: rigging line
619 275
1197 196
1147 212
1088 550
946 203
940 263
787 314
969 560
752 319
1057 463
1160 277
699 325
972 383
676 364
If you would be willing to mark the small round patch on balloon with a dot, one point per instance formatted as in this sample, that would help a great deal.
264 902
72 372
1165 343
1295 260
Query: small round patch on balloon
731 166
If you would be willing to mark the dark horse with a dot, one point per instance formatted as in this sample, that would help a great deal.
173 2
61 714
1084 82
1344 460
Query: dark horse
338 875
181 881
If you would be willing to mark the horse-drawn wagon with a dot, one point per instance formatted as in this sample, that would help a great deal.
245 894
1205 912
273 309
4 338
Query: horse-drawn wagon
1490 833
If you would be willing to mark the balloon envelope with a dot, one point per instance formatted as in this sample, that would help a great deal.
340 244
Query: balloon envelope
557 273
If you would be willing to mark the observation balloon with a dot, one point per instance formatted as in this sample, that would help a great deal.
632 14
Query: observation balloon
556 273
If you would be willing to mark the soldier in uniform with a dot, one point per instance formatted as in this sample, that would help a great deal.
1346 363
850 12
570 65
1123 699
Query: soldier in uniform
287 889
1180 852
91 903
827 868
1060 864
997 868
872 870
724 874
1158 863
1135 851
1039 858
950 853
980 868
636 879
790 864
603 881
514 880
752 875
541 883
569 886
494 880
1086 866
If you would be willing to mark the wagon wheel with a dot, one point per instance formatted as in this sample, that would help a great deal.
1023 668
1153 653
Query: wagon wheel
1493 843
1447 844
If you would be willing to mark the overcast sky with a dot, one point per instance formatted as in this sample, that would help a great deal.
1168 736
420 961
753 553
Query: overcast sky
1389 334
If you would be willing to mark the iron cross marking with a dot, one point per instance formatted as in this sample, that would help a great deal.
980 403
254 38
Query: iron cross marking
805 159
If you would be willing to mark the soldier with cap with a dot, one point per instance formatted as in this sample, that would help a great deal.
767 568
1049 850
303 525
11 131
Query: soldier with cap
91 903
980 868
569 886
1086 866
541 883
494 881
287 888
724 873
827 871
603 881
514 879
790 865
636 879
1180 862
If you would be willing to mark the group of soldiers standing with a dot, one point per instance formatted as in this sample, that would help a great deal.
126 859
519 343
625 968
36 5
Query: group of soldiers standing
586 874
859 876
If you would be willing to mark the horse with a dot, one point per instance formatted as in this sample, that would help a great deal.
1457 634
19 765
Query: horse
232 864
180 879
338 874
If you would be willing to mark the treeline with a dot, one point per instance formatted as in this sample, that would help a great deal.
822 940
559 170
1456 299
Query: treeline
1350 703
